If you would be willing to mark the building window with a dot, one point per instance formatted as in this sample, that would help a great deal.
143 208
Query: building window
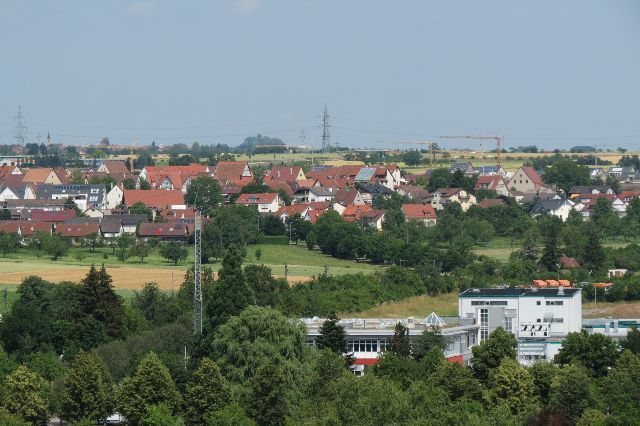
555 303
559 320
508 324
538 320
484 323
538 303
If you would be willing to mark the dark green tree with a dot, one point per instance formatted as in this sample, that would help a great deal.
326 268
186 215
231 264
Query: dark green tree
56 246
430 338
204 194
632 341
399 343
268 404
174 251
266 288
140 249
141 208
88 390
596 352
98 299
566 173
231 294
571 391
206 392
550 253
488 355
594 256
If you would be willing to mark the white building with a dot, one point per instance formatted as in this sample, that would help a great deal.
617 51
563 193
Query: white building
367 338
539 318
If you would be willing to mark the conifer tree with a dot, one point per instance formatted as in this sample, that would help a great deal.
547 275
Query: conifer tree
231 294
99 300
332 336
399 343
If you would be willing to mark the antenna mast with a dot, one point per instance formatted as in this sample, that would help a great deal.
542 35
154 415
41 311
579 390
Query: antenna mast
21 128
197 278
326 143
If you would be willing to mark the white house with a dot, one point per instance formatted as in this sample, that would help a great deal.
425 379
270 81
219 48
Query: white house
114 197
540 318
318 193
554 207
266 203
443 196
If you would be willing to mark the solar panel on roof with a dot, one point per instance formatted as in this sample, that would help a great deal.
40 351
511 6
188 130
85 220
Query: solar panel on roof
365 173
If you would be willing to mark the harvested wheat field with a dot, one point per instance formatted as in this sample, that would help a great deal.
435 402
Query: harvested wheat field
123 278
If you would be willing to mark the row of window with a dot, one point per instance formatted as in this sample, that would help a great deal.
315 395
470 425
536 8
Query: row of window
551 303
367 345
559 320
488 302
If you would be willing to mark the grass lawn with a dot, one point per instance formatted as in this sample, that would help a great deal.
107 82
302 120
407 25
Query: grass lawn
611 310
417 307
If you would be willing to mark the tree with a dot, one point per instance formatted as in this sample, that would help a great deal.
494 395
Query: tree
529 251
440 178
488 355
605 217
231 415
92 241
204 194
140 249
160 415
141 208
206 392
272 225
5 213
632 341
56 246
129 183
156 306
399 343
594 255
621 387
8 243
236 350
596 352
69 204
430 338
550 252
98 300
231 293
150 385
565 173
512 384
87 390
571 391
543 374
334 337
268 402
174 251
266 288
27 395
122 243
412 158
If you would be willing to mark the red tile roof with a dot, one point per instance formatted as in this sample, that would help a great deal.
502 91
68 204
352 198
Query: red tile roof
27 227
283 173
176 229
231 171
36 175
116 166
487 182
418 211
158 199
534 177
77 230
52 216
264 198
490 202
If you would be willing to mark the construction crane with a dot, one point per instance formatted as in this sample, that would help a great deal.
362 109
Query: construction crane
497 138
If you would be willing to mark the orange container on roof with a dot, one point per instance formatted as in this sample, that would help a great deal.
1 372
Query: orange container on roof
564 283
602 285
552 283
539 283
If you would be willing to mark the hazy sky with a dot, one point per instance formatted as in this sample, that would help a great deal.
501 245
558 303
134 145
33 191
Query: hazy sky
551 73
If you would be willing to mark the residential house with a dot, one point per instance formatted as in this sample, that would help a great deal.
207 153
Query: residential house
464 166
365 215
369 191
526 179
150 173
41 175
491 202
176 231
17 192
85 196
318 193
25 228
6 171
493 183
623 174
156 199
52 216
344 198
233 172
266 202
114 197
443 196
555 207
129 222
416 193
591 189
627 196
111 228
379 175
22 208
113 167
285 174
491 171
420 212
75 232
585 203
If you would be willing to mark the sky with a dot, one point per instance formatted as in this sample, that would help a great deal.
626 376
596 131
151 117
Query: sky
554 74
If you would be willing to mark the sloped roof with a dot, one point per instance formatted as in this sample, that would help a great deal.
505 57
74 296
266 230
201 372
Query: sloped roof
27 227
345 197
491 182
52 216
175 229
283 173
448 192
534 177
158 199
263 198
111 226
419 211
116 166
77 230
230 170
491 202
36 175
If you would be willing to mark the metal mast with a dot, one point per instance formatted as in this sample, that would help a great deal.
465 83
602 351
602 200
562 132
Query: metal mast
197 278
21 128
326 143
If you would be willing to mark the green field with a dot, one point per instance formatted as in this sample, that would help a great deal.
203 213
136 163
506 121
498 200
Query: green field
417 307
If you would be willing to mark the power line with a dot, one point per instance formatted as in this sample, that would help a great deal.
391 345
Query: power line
326 142
21 128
